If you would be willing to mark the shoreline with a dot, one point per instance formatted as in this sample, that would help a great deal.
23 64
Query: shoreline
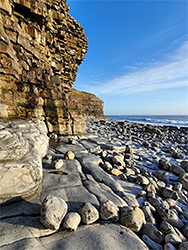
136 173
156 120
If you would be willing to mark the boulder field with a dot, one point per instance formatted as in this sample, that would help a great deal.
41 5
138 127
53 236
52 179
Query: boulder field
120 185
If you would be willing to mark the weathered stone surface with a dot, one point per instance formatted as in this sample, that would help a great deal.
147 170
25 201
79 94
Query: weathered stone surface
41 47
109 211
22 146
133 218
151 244
95 236
153 233
71 221
184 165
18 228
173 239
183 178
183 246
53 211
103 192
169 246
89 213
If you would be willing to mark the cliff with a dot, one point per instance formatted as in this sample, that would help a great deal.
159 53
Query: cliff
41 47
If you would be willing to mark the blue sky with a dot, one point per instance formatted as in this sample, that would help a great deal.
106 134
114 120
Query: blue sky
137 60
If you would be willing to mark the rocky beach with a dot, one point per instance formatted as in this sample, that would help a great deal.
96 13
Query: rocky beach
70 178
120 185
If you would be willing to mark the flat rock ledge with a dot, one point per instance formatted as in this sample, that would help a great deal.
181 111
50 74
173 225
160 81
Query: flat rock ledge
23 144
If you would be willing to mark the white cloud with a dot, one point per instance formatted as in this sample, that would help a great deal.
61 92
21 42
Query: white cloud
170 73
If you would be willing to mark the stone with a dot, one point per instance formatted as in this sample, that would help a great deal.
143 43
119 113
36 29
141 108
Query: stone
173 239
141 193
148 212
69 155
133 218
129 172
115 172
163 163
151 244
183 179
178 186
162 175
109 211
176 169
119 160
57 164
183 246
89 213
184 165
172 217
71 221
22 146
152 232
142 180
123 176
107 166
130 199
185 232
167 228
169 246
53 210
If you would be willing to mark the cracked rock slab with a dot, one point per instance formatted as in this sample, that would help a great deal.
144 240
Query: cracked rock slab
19 228
22 146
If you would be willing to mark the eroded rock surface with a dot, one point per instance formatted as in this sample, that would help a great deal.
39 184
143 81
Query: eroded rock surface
22 146
41 47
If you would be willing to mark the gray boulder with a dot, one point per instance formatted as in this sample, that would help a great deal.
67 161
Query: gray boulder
133 218
53 210
109 211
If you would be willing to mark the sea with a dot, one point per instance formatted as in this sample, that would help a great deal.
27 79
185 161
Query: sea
157 120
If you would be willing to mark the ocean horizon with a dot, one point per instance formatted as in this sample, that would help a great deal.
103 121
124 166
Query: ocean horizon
157 120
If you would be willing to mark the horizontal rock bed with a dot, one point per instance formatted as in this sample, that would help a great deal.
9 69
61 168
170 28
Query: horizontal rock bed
120 177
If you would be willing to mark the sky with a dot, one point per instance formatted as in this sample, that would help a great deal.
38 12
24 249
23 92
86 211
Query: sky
137 59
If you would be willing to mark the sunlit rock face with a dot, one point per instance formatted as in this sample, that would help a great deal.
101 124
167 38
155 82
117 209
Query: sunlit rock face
41 47
23 144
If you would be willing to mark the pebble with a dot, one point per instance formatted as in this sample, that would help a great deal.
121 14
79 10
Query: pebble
89 213
69 155
71 221
57 164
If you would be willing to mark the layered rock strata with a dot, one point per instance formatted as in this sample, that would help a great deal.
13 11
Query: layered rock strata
41 47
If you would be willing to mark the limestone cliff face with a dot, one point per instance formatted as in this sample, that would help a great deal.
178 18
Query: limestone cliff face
41 47
85 104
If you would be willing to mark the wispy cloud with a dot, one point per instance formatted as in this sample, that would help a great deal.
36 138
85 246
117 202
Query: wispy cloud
169 73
